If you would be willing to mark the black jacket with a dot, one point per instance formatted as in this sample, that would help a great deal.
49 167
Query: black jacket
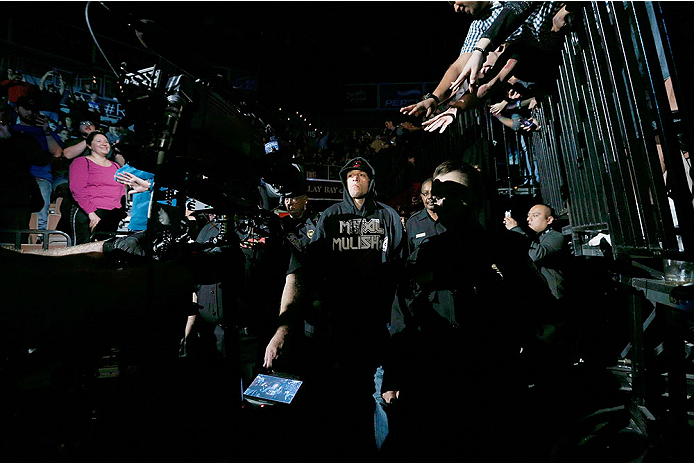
357 252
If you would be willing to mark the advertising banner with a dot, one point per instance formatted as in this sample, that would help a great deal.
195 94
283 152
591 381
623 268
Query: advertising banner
384 96
324 189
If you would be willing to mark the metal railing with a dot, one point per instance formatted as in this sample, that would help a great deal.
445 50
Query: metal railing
45 235
609 123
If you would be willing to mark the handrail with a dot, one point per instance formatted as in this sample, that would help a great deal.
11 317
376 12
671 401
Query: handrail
18 232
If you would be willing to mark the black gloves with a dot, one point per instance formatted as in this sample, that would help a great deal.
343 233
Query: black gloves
126 246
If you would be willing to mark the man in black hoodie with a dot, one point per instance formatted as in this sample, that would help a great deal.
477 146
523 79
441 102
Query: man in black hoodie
353 260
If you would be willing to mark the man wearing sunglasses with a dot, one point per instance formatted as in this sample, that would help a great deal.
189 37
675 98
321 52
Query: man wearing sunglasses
424 223
78 146
449 331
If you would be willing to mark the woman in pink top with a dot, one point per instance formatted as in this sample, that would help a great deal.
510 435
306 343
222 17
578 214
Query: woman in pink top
98 195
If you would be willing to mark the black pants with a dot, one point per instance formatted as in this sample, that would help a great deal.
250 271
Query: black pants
79 223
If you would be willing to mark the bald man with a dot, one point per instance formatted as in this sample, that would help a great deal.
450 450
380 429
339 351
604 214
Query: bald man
546 248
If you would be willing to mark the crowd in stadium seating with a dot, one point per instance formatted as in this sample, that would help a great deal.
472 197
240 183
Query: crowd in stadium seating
60 112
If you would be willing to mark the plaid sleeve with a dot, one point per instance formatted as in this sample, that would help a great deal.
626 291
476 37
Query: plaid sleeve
534 20
479 26
509 20
475 32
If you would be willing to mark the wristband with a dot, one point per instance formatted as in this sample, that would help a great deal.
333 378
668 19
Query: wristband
479 49
431 95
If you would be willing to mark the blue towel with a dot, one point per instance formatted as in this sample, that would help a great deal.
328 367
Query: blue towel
138 215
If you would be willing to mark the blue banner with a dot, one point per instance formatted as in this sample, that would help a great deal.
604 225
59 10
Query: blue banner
385 96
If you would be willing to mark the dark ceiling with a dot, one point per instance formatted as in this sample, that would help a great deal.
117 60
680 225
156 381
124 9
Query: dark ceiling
354 41
300 52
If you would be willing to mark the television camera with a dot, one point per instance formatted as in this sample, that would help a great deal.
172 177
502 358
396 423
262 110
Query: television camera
197 134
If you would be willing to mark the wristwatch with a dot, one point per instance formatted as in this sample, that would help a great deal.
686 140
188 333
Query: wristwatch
431 95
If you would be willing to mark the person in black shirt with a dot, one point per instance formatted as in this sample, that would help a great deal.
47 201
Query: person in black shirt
300 222
19 152
547 248
449 331
424 223
51 96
